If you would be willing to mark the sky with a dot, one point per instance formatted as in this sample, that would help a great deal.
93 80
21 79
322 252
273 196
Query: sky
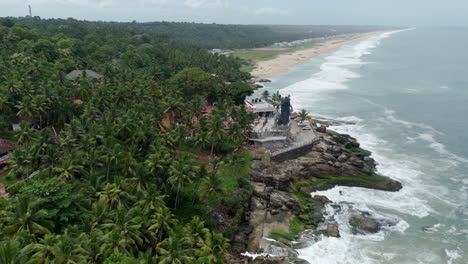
304 12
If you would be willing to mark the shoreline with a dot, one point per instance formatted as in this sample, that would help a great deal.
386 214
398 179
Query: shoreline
284 62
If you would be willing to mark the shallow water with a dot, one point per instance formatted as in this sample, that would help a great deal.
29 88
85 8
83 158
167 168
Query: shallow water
407 92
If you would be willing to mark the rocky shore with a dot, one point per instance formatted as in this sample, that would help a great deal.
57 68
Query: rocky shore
281 216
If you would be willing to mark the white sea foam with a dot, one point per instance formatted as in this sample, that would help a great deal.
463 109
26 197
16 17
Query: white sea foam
439 147
333 74
409 203
253 256
452 255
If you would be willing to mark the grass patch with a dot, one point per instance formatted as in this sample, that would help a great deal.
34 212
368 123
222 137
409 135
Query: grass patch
8 136
295 227
373 180
359 152
259 55
280 235
247 68
7 179
190 147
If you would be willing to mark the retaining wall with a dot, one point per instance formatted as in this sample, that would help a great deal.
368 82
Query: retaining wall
293 152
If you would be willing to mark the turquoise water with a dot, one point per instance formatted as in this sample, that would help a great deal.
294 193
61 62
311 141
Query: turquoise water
408 94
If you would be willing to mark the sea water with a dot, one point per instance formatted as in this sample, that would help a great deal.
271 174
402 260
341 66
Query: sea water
407 93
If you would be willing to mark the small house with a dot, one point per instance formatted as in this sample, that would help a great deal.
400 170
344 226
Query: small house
6 146
73 75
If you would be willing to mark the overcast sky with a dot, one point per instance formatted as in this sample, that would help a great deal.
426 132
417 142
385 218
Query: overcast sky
355 12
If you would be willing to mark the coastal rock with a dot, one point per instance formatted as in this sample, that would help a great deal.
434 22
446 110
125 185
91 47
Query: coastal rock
326 122
343 157
264 80
363 223
322 129
270 260
332 230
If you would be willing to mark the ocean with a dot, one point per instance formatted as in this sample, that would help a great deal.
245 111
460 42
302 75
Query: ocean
407 92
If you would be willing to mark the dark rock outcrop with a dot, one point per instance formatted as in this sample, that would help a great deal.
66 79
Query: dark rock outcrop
335 160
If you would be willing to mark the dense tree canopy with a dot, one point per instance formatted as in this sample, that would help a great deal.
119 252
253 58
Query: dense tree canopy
109 170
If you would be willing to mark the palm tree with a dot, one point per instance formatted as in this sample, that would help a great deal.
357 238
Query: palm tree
10 252
265 94
151 200
23 214
114 196
197 229
212 184
277 98
26 108
162 222
182 171
57 249
126 230
176 249
4 108
215 127
25 134
42 251
67 169
158 163
304 115
213 249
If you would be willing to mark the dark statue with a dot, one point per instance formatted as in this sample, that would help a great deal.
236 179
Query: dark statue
286 110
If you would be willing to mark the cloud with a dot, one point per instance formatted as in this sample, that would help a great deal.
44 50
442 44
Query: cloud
207 3
86 3
270 11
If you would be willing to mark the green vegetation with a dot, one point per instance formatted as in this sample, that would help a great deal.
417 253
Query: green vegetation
281 236
247 68
133 173
260 55
325 182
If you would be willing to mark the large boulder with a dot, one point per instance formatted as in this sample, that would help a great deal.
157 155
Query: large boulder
362 223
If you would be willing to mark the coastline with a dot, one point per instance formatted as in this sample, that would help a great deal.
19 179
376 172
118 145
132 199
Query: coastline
282 63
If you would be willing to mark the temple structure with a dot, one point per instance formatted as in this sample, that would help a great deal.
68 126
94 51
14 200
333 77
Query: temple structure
271 128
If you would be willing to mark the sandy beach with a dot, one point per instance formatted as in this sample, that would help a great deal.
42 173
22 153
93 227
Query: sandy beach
282 63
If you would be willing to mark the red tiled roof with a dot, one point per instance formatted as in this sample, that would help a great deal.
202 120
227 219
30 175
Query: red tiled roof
4 161
77 101
7 145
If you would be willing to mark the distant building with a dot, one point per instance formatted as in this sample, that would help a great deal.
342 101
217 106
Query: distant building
261 108
73 75
6 146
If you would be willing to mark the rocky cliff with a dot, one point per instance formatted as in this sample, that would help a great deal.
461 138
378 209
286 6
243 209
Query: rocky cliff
282 216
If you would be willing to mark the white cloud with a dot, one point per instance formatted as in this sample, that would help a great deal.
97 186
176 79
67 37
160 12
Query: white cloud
270 11
206 3
87 3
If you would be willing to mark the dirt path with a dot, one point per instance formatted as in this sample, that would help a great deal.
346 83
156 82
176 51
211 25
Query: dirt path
3 192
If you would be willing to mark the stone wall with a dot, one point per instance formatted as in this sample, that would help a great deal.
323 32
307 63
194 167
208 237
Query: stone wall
293 153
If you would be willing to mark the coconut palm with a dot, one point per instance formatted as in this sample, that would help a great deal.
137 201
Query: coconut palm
176 249
67 169
182 172
215 126
212 184
24 214
125 230
56 249
304 115
161 222
10 252
114 196
25 133
213 249
197 229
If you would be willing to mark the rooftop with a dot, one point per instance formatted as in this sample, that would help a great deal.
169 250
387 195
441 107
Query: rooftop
260 105
7 146
83 73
